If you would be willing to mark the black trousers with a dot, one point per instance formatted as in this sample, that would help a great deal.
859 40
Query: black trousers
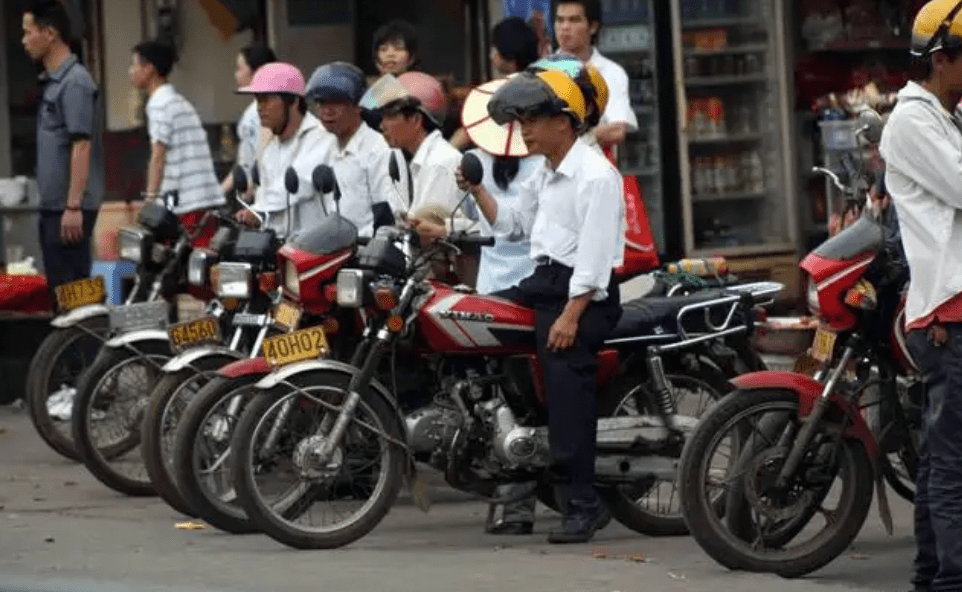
569 375
64 263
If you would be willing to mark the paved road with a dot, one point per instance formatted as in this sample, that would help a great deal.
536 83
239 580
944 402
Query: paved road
60 529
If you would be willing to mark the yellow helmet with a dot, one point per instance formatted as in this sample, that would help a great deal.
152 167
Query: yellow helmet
585 75
601 87
537 93
937 26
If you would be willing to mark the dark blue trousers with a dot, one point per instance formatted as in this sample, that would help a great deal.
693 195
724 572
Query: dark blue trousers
64 263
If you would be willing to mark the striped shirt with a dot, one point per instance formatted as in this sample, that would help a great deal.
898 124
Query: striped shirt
188 166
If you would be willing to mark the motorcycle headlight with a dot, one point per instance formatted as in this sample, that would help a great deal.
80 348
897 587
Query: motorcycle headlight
133 244
197 265
232 280
350 288
812 297
292 283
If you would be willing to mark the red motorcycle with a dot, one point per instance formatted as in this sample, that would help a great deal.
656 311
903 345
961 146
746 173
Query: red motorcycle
757 471
346 439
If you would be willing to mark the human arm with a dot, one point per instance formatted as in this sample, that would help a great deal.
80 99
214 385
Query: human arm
514 222
619 118
78 103
160 130
155 170
916 145
601 209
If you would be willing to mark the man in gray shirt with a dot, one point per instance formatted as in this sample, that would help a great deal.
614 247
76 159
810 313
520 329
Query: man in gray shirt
70 173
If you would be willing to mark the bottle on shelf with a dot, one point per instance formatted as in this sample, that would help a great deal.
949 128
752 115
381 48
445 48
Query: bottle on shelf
228 153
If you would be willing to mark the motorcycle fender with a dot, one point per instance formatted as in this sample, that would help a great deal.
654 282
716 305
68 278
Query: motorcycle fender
282 374
79 314
809 390
245 367
185 359
136 336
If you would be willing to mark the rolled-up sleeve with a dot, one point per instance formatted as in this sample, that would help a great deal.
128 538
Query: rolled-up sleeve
602 212
619 108
79 102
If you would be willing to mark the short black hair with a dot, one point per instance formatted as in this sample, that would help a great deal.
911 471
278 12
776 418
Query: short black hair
515 40
920 67
162 56
397 30
592 10
51 14
257 55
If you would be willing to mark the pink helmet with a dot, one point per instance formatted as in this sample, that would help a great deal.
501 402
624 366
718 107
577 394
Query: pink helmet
276 77
428 90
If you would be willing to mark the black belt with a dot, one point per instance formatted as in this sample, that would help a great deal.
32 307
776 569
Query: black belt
545 260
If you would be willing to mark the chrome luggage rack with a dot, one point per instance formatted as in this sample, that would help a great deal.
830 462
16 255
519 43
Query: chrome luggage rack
139 316
761 293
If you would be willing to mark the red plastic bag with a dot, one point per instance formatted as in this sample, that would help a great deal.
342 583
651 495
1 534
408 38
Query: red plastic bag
641 255
25 294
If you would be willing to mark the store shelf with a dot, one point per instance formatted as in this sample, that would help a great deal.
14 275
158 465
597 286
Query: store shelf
642 172
857 45
746 48
736 196
711 23
742 250
725 80
736 139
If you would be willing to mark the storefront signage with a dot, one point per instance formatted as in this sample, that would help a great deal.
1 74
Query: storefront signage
626 38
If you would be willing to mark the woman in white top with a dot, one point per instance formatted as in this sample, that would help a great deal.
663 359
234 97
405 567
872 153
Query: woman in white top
249 131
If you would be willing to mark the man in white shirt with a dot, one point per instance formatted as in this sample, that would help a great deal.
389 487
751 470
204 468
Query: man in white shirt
360 156
299 141
180 158
577 23
922 149
570 210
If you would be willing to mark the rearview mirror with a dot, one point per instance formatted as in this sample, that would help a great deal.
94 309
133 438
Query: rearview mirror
471 169
870 125
392 168
240 179
323 178
291 182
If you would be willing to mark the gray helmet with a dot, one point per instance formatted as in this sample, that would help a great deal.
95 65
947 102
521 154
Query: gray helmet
337 81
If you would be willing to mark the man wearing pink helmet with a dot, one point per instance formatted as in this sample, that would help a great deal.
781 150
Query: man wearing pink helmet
413 107
180 158
298 141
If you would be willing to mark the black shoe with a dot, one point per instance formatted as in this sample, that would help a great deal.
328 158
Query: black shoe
580 527
510 528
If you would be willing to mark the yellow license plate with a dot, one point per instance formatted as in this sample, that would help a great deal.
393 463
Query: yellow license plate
293 347
287 315
194 333
81 293
823 345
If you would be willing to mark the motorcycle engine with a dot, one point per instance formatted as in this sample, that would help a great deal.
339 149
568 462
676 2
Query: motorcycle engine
432 428
514 445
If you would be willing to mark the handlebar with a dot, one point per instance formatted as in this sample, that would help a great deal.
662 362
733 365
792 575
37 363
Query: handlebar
834 178
463 239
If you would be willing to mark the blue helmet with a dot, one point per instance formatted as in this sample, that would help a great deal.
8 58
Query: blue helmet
337 81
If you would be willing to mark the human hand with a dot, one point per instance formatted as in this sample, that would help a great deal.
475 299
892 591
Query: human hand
464 184
247 218
72 226
562 334
428 231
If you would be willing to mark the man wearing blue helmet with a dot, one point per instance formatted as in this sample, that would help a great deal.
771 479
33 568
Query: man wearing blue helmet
361 155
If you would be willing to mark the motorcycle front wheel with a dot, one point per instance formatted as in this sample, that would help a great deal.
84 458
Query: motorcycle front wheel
280 438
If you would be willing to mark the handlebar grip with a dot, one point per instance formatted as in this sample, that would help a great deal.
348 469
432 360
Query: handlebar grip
474 240
363 240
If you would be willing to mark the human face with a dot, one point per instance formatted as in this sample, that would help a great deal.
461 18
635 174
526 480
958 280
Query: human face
341 118
500 65
538 133
399 130
36 40
271 109
393 57
572 29
243 72
139 72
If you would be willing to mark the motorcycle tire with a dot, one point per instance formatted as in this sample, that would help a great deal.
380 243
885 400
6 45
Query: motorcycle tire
97 459
206 504
49 358
160 424
727 548
381 414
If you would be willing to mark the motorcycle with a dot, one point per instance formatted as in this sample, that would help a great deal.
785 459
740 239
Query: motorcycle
484 420
83 324
788 437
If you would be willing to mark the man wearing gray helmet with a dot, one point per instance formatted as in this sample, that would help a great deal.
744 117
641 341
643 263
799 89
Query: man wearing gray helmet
361 155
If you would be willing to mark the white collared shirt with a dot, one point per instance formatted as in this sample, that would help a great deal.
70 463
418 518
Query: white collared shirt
248 134
432 170
574 215
309 147
922 148
619 100
361 170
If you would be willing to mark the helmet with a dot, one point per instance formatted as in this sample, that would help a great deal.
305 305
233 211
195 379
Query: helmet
937 26
338 81
498 139
535 93
411 89
276 77
586 76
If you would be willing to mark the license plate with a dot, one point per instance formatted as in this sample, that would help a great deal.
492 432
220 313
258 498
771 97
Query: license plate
81 293
823 345
287 315
194 333
288 348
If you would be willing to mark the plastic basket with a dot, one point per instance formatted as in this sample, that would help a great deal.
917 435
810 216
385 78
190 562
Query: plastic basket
839 135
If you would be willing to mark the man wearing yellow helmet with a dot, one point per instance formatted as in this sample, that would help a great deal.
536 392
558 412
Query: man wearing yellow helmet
572 211
922 149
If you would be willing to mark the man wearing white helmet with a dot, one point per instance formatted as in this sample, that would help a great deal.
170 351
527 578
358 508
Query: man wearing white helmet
299 140
413 106
360 156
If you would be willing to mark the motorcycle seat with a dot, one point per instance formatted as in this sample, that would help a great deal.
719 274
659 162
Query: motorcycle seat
658 315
